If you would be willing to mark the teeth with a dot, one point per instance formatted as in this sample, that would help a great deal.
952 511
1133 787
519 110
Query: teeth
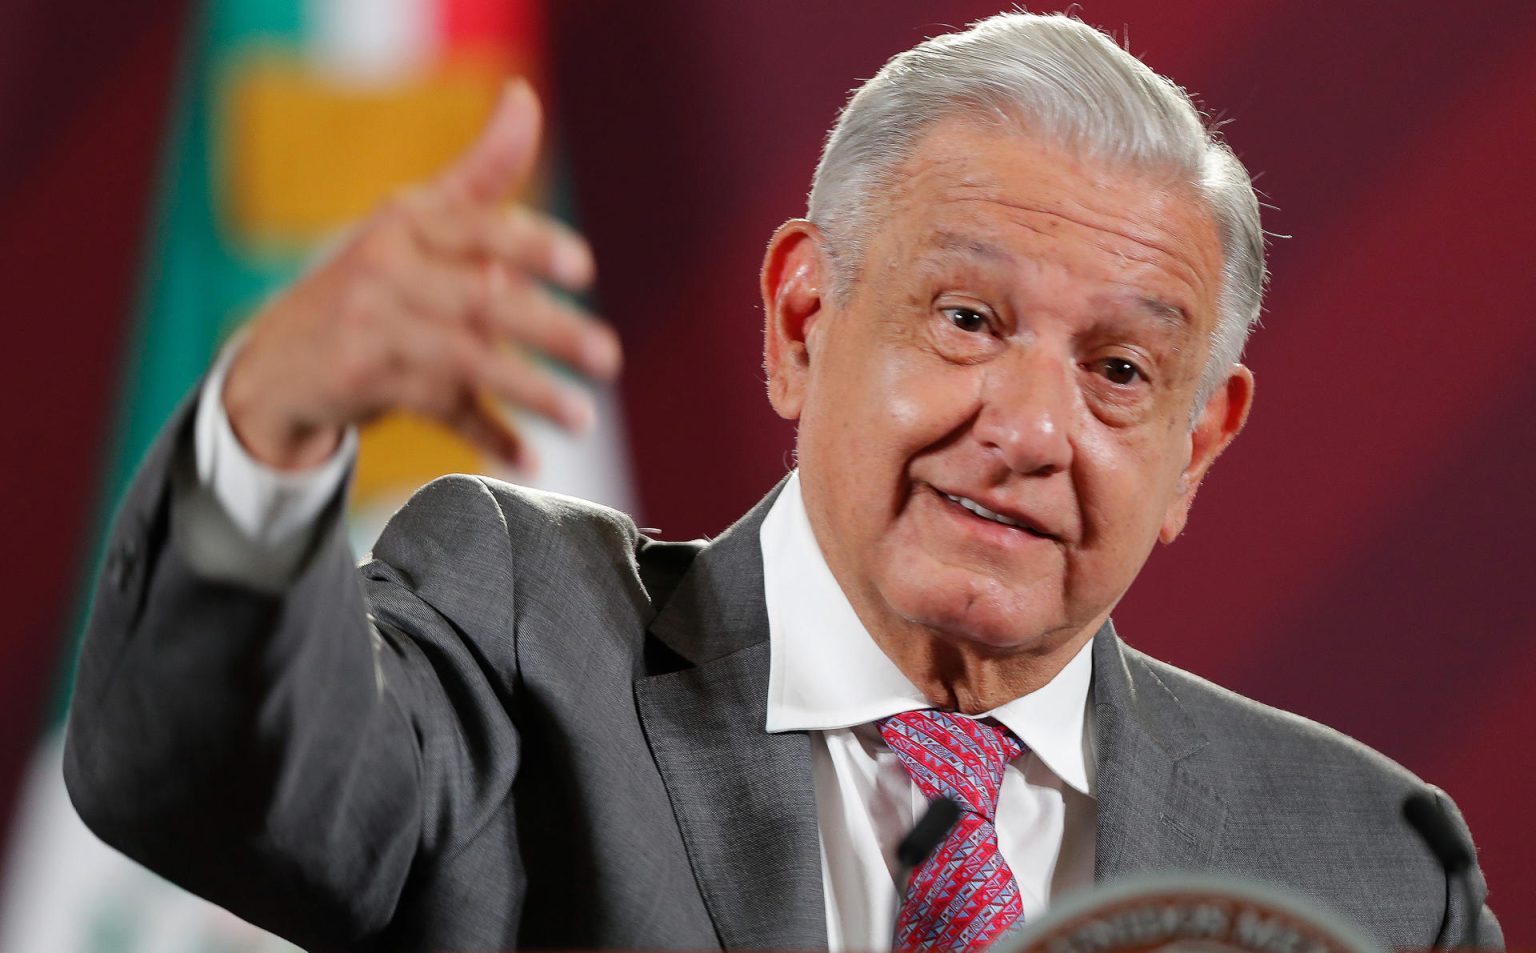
983 512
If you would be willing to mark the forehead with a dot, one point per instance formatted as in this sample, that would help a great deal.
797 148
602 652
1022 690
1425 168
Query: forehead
980 194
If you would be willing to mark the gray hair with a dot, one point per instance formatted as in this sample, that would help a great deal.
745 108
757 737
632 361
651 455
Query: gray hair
1065 79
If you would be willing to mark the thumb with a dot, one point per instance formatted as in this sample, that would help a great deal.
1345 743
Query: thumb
504 154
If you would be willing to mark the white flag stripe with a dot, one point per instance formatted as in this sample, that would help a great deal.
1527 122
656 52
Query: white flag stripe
370 42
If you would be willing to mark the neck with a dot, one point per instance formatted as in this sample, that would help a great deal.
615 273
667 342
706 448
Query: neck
956 673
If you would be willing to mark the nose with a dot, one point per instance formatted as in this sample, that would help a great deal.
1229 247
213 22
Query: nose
1026 412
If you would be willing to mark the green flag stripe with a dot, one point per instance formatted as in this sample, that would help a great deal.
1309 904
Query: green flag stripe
194 287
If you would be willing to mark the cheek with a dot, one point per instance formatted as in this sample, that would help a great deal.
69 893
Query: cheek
904 406
930 394
1122 484
922 401
890 400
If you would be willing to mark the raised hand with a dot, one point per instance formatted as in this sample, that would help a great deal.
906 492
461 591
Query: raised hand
434 305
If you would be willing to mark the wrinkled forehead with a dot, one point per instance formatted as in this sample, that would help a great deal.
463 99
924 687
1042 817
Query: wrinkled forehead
1011 156
981 190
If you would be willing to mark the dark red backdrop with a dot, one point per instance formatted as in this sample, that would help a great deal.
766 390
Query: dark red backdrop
1362 555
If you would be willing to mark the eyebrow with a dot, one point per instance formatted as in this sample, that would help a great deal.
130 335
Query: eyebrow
1163 311
944 240
948 241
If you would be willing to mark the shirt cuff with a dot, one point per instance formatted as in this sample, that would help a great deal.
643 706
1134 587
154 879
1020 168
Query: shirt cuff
240 520
269 506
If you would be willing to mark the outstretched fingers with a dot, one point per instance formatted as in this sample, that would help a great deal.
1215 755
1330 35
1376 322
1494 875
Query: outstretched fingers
440 304
518 238
504 154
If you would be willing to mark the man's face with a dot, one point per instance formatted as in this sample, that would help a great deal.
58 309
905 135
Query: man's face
994 426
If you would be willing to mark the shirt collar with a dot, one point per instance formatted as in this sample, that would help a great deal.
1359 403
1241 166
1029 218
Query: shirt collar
825 672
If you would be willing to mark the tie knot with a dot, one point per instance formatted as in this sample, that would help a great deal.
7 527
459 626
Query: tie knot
953 756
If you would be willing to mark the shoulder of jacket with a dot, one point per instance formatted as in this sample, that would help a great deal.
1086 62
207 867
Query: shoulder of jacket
1250 729
487 525
527 515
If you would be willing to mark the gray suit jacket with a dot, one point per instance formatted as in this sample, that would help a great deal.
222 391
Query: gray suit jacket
521 723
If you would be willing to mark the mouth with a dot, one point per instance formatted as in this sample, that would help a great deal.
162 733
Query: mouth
1016 521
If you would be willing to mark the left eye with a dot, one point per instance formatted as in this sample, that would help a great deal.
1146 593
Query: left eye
967 320
1117 370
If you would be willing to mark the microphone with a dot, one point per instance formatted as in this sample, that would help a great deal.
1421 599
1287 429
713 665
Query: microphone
923 839
1424 814
927 834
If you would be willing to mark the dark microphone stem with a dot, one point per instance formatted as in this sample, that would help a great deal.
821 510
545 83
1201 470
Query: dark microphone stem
921 841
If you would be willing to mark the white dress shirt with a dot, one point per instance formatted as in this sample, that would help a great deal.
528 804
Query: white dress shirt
241 520
246 522
828 677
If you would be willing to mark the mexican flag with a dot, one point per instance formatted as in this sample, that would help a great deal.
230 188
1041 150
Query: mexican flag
293 119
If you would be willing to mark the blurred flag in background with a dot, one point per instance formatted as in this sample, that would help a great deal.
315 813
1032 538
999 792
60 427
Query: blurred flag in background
294 118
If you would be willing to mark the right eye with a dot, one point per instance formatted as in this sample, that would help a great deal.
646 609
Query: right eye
967 319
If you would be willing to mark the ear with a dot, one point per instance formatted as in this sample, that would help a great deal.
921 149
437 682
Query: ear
1223 416
793 285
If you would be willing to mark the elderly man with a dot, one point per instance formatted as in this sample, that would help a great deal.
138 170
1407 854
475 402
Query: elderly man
1008 331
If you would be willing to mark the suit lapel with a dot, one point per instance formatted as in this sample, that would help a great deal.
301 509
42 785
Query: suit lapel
1154 811
744 799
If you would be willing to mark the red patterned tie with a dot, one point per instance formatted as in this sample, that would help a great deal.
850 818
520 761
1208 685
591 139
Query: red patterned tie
963 896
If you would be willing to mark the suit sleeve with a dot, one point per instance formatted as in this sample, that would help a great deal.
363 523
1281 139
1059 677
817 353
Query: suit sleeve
238 519
295 755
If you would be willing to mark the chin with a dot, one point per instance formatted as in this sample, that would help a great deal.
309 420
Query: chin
969 609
